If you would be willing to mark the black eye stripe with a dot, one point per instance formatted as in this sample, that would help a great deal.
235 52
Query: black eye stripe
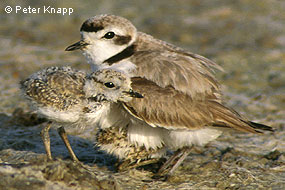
121 40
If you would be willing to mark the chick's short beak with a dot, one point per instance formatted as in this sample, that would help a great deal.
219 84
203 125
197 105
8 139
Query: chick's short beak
134 94
78 45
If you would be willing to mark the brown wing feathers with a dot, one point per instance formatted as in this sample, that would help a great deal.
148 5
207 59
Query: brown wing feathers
177 110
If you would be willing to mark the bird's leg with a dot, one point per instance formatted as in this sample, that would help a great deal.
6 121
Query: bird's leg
186 151
46 140
174 161
169 162
64 138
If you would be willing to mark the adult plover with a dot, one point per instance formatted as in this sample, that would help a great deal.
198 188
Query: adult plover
73 98
182 103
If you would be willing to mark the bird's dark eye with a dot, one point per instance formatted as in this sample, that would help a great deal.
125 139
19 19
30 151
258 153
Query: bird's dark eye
109 84
109 35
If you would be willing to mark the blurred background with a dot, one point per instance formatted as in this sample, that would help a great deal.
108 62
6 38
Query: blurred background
245 37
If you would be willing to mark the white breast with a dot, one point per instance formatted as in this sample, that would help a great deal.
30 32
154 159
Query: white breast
141 134
69 116
180 138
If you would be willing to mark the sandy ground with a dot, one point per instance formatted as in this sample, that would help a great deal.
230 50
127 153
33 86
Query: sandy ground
245 37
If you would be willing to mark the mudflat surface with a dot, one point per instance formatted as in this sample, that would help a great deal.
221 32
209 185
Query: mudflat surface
246 37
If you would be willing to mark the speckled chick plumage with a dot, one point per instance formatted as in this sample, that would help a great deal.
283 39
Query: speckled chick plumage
114 140
57 87
66 95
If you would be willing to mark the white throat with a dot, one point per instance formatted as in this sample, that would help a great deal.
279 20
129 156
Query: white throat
96 59
100 49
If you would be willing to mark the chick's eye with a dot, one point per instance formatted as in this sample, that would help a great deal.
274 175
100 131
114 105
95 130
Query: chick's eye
109 84
109 35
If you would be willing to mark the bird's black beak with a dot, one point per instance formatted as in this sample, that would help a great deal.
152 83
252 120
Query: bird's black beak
134 94
78 45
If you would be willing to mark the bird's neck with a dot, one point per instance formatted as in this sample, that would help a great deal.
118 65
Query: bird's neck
126 53
119 60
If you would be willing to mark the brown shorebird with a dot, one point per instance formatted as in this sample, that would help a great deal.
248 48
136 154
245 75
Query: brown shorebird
182 104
